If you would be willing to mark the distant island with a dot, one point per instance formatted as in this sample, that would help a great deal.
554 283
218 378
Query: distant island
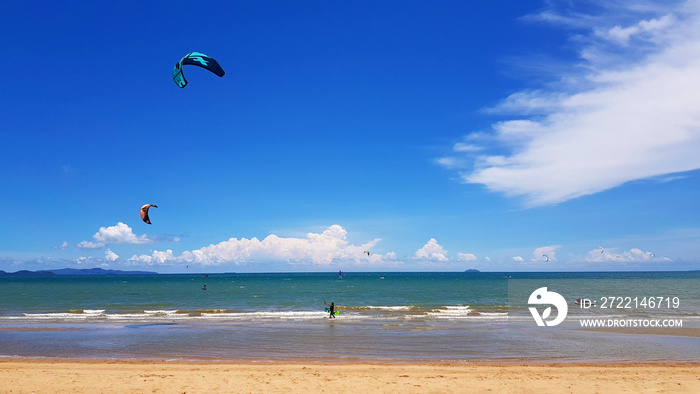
73 271
472 270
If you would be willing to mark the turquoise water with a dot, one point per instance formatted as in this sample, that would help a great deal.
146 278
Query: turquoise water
405 316
298 292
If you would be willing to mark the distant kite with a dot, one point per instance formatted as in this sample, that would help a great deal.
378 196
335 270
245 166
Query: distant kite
195 59
144 212
546 257
366 252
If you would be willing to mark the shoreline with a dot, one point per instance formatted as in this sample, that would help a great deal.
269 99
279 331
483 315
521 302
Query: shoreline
87 375
350 361
354 361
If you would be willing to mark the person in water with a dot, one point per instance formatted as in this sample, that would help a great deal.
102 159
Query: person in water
331 309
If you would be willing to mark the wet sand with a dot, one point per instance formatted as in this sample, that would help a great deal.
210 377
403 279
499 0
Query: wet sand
93 376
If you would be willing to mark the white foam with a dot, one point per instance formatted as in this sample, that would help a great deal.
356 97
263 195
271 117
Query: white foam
391 308
493 314
161 312
84 315
451 312
93 311
264 315
223 315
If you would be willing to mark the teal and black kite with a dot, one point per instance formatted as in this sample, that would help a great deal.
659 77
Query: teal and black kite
195 59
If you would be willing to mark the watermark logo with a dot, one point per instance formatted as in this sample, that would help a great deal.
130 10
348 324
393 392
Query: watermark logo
543 297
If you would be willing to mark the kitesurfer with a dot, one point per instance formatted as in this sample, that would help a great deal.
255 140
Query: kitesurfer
331 310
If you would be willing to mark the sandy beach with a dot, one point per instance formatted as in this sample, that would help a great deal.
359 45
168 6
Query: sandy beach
92 376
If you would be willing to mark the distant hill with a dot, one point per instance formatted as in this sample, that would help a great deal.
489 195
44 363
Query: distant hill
73 271
27 273
472 270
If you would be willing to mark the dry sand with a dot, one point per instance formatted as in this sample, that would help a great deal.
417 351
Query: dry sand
90 376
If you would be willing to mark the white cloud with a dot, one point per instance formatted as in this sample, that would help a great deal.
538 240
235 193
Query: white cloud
632 115
155 258
85 260
320 249
119 234
644 29
633 255
432 251
451 162
545 254
518 259
111 256
466 257
465 147
90 245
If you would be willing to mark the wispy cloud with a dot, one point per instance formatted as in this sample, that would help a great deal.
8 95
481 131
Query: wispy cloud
631 114
632 255
647 28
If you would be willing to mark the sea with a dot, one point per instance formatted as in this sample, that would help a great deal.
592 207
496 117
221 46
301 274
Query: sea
394 316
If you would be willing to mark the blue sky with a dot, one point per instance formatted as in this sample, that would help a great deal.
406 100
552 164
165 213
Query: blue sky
496 135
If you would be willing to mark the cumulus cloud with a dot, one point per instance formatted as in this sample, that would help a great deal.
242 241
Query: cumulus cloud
630 115
111 256
320 249
432 251
466 257
157 258
119 234
87 260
